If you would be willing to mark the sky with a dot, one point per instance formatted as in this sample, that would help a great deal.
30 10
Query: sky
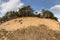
37 5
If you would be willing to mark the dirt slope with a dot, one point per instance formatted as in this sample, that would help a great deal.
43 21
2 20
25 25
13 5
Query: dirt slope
24 22
30 28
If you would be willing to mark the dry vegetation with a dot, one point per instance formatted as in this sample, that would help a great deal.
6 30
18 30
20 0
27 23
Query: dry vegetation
31 33
30 28
25 22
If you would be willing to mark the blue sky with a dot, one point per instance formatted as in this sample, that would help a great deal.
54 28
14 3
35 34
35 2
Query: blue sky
37 5
41 4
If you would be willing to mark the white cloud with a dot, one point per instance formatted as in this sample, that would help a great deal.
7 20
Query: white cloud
56 10
11 5
39 11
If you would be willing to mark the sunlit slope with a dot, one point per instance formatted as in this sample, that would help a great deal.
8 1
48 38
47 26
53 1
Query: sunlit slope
24 22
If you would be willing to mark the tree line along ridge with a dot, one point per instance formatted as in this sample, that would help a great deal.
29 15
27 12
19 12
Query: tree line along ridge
27 11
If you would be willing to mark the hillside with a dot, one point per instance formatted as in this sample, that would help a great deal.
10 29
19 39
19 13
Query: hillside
30 28
24 22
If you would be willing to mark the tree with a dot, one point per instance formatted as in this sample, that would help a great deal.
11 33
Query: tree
55 18
11 15
0 20
47 14
26 11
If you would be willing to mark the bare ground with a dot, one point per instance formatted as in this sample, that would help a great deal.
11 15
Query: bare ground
30 28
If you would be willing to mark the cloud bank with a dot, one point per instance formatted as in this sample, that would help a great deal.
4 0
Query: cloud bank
56 10
11 5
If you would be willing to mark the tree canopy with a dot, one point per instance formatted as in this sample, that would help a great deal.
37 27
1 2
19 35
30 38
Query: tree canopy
27 11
